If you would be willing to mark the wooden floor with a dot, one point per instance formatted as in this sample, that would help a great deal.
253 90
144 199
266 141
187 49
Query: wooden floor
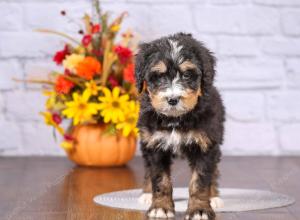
53 188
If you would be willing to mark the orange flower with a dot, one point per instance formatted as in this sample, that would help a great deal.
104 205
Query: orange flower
128 73
88 67
63 85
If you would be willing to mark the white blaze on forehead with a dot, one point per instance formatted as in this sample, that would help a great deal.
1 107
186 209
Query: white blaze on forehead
175 50
174 90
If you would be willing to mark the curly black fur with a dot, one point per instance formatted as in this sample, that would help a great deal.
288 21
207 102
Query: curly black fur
207 116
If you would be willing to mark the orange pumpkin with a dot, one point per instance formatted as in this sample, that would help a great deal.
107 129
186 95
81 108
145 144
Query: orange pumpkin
93 147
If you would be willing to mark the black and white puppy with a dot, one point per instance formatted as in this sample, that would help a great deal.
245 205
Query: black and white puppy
181 114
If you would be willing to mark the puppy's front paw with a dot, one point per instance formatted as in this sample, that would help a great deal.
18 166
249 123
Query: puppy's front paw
160 213
216 202
200 214
145 198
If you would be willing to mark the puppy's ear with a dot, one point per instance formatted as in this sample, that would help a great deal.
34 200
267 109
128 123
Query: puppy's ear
207 62
140 66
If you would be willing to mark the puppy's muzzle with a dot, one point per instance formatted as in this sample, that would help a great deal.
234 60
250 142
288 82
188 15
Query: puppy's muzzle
173 100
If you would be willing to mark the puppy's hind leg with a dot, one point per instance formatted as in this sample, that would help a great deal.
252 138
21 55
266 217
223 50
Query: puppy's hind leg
215 200
146 197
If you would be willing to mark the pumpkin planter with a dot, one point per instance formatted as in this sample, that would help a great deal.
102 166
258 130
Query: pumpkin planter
93 147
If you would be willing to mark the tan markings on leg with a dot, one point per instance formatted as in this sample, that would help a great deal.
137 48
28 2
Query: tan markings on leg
187 65
196 190
198 204
159 67
165 186
162 201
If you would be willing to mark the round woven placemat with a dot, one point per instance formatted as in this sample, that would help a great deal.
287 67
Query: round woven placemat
235 200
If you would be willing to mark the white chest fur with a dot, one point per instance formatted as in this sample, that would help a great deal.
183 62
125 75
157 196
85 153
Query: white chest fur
173 140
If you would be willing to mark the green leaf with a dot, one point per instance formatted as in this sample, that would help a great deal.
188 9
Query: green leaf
110 130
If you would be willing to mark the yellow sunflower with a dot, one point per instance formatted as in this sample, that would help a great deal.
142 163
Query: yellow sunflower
128 126
52 102
80 109
113 105
92 87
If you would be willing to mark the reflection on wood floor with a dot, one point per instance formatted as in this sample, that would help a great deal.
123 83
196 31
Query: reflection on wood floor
54 188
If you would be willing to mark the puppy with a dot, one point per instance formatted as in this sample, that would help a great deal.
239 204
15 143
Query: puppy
181 114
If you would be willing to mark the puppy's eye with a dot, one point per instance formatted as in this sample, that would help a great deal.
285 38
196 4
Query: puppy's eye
155 77
186 75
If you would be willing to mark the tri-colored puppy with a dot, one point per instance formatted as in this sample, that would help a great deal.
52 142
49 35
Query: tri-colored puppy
181 114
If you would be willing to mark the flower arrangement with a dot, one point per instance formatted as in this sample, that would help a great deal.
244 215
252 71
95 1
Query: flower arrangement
96 84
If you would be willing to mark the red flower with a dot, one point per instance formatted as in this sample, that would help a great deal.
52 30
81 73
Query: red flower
67 72
86 40
61 55
98 52
68 137
113 81
63 85
56 118
96 28
123 53
128 73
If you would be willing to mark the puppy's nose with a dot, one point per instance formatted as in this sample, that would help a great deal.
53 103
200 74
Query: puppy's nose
173 101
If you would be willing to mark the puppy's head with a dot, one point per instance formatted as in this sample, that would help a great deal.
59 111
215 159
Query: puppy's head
176 70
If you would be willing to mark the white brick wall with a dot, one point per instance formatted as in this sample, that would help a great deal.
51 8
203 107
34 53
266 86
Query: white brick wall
257 43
